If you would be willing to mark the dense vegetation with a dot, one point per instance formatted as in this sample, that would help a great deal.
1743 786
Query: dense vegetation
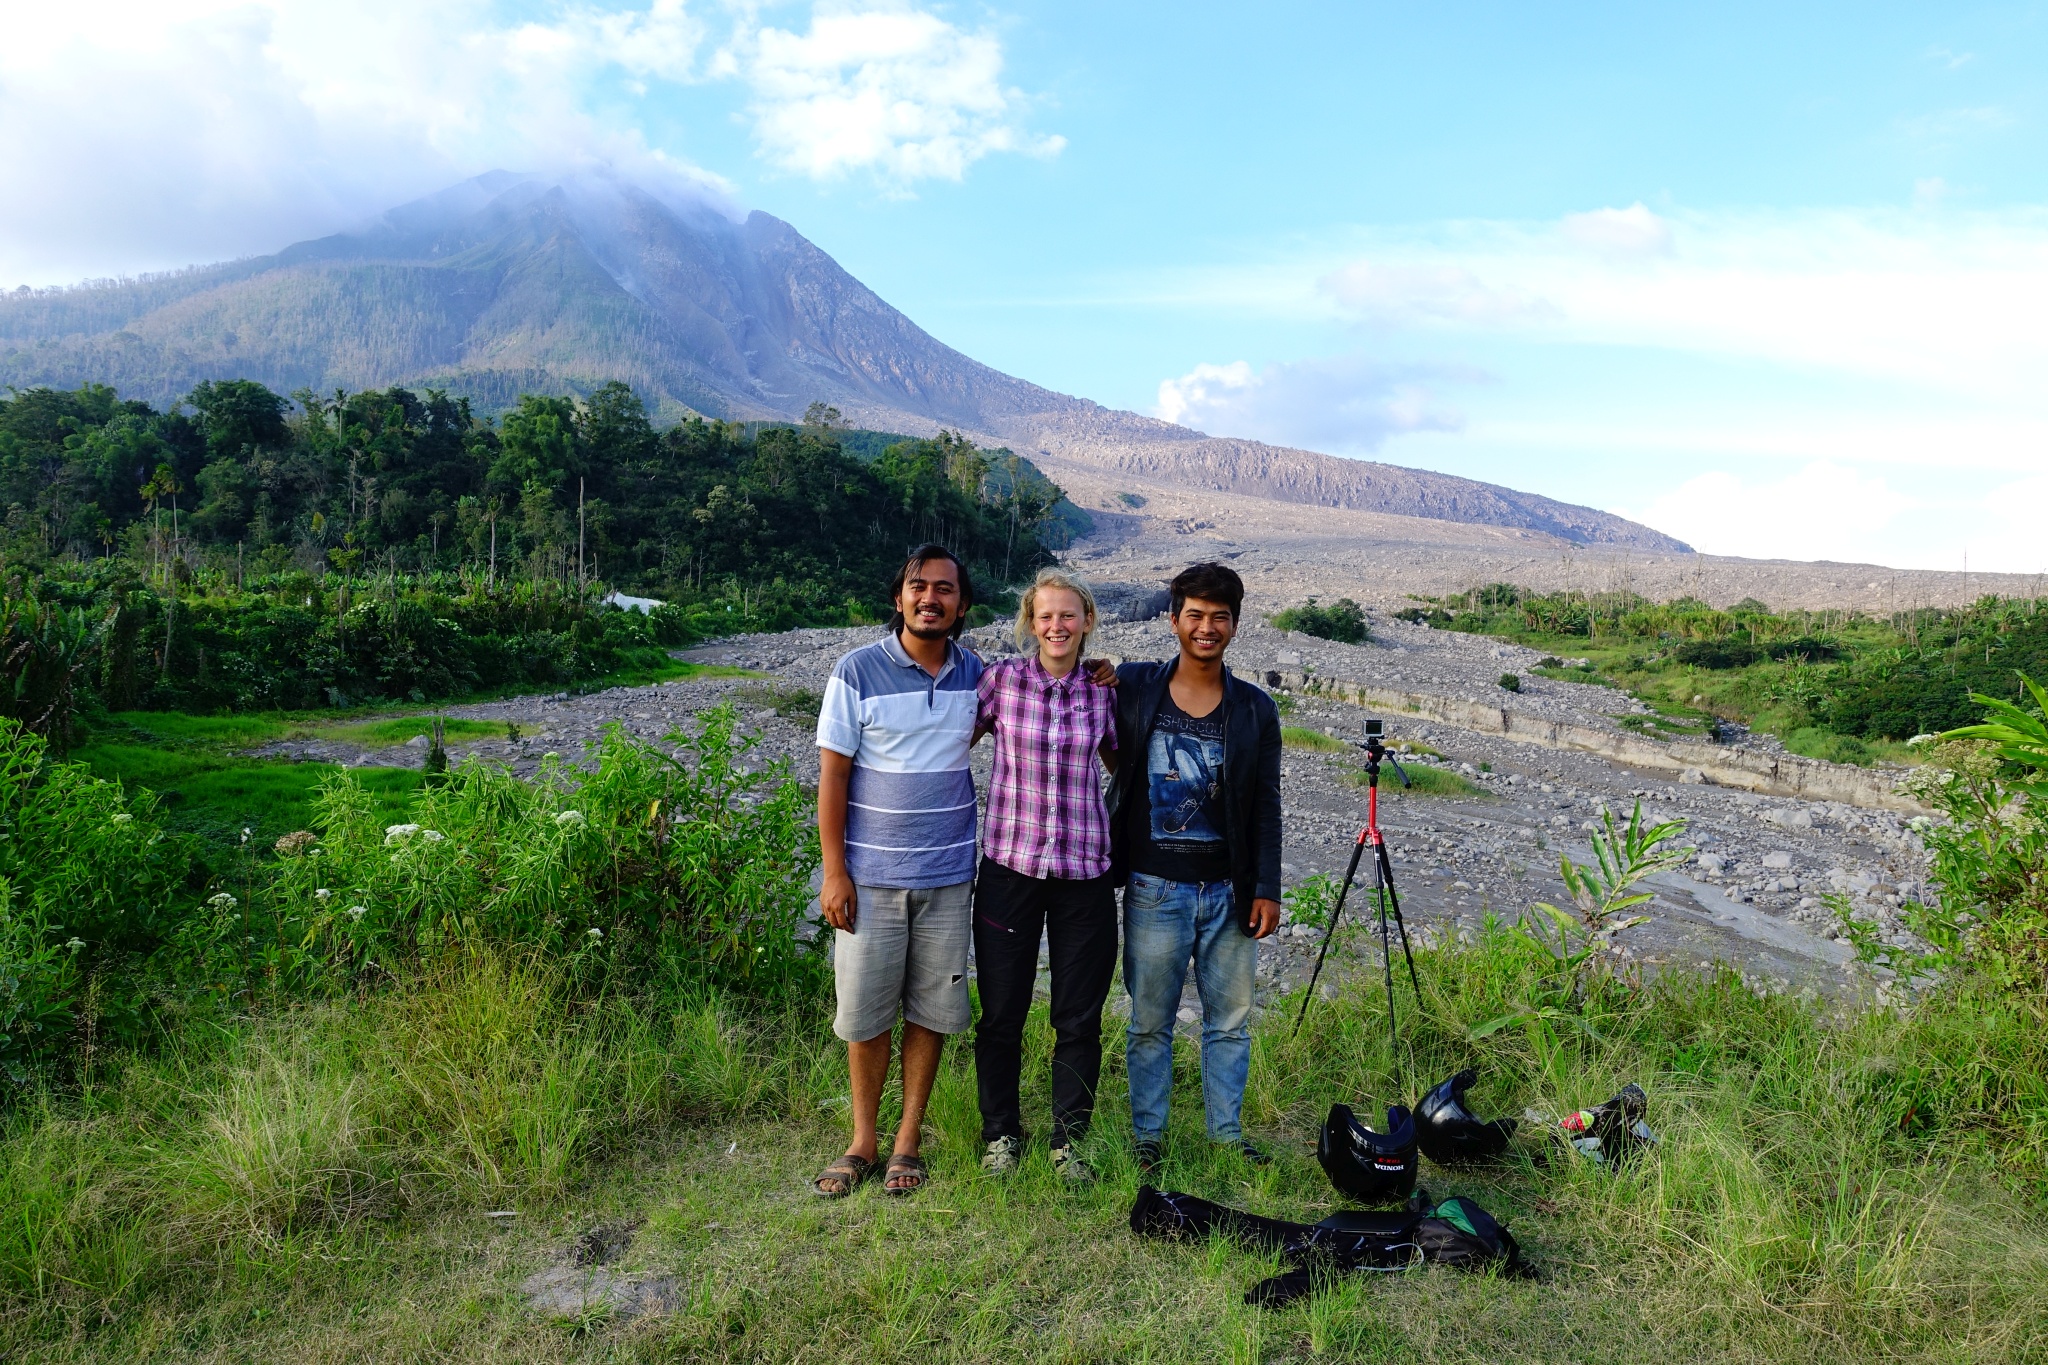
676 863
1342 620
259 553
1833 685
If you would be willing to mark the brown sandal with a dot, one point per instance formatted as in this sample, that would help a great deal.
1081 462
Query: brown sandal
849 1171
912 1168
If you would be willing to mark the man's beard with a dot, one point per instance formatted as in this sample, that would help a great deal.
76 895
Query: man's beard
924 632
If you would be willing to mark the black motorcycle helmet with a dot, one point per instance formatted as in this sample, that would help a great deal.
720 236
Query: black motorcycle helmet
1373 1168
1450 1134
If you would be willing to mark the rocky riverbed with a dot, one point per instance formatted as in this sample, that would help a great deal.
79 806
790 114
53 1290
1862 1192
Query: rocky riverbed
1750 895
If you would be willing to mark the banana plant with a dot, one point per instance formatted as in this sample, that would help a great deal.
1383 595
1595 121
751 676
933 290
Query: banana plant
2017 735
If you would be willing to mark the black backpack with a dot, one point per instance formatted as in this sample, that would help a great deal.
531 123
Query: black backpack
1454 1232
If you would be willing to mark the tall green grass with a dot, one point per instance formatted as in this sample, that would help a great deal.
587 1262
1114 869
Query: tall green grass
1829 1184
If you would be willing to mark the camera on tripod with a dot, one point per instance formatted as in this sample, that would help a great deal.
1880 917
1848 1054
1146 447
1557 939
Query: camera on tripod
1375 746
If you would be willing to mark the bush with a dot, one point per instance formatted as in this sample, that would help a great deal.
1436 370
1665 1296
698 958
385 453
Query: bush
1510 682
1811 741
682 862
88 883
661 866
1343 621
1990 855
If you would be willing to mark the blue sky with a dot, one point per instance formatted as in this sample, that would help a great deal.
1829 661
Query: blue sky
1768 277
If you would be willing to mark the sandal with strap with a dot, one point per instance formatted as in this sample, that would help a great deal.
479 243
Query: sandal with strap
848 1173
910 1169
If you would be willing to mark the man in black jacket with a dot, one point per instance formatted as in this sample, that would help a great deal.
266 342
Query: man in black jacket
1194 818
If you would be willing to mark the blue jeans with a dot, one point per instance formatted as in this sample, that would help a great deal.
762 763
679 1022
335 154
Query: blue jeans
1166 923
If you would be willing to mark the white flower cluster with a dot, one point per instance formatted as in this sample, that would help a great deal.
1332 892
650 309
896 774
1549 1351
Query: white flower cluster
570 817
356 912
396 834
221 900
123 818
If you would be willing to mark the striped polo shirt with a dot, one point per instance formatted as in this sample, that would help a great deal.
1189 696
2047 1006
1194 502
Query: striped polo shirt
910 807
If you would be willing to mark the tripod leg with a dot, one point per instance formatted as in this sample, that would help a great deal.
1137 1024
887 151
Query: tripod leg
1386 872
1329 932
1386 958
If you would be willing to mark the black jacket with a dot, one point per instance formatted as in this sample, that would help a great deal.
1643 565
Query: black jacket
1251 777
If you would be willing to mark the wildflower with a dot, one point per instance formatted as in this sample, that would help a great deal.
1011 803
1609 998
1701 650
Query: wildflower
432 836
595 935
75 944
356 912
123 818
394 833
295 843
1918 740
221 900
569 817
322 893
246 832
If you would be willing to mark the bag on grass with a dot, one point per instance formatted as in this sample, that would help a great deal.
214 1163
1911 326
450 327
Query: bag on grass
1452 1135
1612 1131
1455 1232
1373 1168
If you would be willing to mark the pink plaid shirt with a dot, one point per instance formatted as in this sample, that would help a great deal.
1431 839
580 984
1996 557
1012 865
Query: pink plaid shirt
1045 812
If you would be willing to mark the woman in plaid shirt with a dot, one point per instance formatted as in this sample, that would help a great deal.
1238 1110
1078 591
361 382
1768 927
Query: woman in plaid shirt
1044 869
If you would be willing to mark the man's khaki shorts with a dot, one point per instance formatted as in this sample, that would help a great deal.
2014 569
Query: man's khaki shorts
907 954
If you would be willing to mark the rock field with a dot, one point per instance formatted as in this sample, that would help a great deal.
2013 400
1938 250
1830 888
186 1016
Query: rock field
1750 895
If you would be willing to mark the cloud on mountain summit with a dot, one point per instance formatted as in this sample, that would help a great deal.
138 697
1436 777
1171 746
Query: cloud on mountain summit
1344 403
145 135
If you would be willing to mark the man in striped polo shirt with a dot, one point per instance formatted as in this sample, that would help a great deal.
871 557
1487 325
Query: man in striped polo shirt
896 827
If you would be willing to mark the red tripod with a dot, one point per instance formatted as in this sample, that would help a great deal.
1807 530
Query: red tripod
1389 900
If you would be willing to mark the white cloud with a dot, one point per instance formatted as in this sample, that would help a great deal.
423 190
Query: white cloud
157 134
141 135
1825 510
1769 383
1820 511
1427 293
1344 403
1619 233
1947 301
887 89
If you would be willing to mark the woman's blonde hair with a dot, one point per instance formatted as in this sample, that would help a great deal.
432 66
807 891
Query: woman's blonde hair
1027 605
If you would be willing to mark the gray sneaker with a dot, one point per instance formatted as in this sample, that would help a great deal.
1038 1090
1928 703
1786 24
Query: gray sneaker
1002 1154
1069 1166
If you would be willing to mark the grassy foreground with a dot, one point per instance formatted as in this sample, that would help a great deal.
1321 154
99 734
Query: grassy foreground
312 1185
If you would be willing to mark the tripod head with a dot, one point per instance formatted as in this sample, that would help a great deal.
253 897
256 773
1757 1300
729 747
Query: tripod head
1375 748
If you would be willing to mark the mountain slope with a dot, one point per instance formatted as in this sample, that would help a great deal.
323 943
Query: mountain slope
507 284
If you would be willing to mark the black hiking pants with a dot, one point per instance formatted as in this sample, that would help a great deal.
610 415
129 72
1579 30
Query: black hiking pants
1078 919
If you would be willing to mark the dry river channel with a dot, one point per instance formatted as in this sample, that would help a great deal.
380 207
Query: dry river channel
1749 896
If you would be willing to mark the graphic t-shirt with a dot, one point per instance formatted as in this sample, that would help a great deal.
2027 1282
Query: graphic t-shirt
1177 829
